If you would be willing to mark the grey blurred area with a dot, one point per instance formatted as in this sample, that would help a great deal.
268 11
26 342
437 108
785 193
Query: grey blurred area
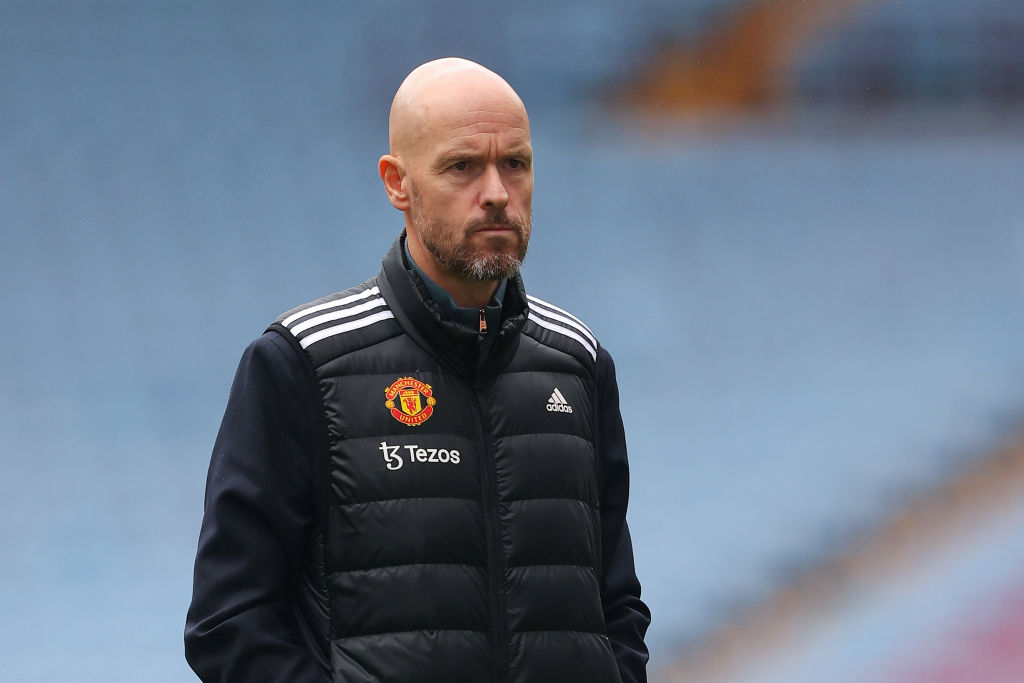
814 295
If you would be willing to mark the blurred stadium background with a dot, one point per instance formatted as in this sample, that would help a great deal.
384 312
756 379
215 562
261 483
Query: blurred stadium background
798 227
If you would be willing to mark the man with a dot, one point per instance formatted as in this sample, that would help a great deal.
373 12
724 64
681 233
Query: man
424 477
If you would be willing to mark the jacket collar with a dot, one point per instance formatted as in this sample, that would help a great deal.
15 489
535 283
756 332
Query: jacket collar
428 324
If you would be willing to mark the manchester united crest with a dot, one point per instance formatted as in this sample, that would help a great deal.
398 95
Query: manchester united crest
410 401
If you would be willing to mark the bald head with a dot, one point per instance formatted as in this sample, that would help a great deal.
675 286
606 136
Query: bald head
460 169
440 89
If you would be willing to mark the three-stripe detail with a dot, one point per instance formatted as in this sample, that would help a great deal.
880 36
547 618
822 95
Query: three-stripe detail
344 309
362 309
553 318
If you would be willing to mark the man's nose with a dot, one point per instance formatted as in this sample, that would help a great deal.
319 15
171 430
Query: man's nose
493 193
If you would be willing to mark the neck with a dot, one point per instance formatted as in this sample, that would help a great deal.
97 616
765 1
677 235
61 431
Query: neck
467 293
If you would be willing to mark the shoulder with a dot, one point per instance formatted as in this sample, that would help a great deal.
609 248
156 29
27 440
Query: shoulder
554 326
337 323
274 352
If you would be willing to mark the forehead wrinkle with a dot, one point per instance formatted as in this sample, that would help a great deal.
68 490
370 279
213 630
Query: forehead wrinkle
444 156
491 110
475 129
477 143
480 116
475 134
429 129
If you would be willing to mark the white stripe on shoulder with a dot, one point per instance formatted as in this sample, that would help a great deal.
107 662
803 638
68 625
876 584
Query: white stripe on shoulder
329 304
567 332
344 327
337 315
556 308
549 311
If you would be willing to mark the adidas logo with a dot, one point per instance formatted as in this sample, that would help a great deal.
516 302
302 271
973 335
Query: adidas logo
557 403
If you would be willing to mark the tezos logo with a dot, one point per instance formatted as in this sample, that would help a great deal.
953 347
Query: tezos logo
393 457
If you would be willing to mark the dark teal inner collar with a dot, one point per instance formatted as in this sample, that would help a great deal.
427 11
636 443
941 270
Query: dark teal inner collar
463 315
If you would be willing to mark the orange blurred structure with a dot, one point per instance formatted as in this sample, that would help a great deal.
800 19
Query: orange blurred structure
741 66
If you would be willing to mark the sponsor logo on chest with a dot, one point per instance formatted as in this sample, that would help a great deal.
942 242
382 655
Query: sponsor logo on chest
396 456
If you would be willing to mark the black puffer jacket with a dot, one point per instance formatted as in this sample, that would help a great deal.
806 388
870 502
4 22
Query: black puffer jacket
458 529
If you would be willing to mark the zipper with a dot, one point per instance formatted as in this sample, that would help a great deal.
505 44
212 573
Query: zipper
483 320
495 572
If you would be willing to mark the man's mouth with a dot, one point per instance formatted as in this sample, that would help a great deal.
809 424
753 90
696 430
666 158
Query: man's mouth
496 226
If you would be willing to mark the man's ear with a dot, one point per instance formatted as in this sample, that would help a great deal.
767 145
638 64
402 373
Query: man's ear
392 172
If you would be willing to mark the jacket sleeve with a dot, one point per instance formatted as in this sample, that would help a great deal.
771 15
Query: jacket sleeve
626 616
257 516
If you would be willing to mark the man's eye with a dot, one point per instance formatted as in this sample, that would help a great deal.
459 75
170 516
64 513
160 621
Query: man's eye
515 163
460 165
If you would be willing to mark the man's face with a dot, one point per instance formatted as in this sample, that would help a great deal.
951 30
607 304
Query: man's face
471 189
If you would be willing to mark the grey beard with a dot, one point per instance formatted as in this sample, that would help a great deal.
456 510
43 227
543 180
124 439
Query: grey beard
474 266
468 263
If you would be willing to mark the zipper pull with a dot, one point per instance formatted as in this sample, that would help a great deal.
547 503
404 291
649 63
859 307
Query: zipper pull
483 320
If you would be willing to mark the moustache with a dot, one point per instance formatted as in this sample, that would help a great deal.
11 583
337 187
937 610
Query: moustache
497 222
